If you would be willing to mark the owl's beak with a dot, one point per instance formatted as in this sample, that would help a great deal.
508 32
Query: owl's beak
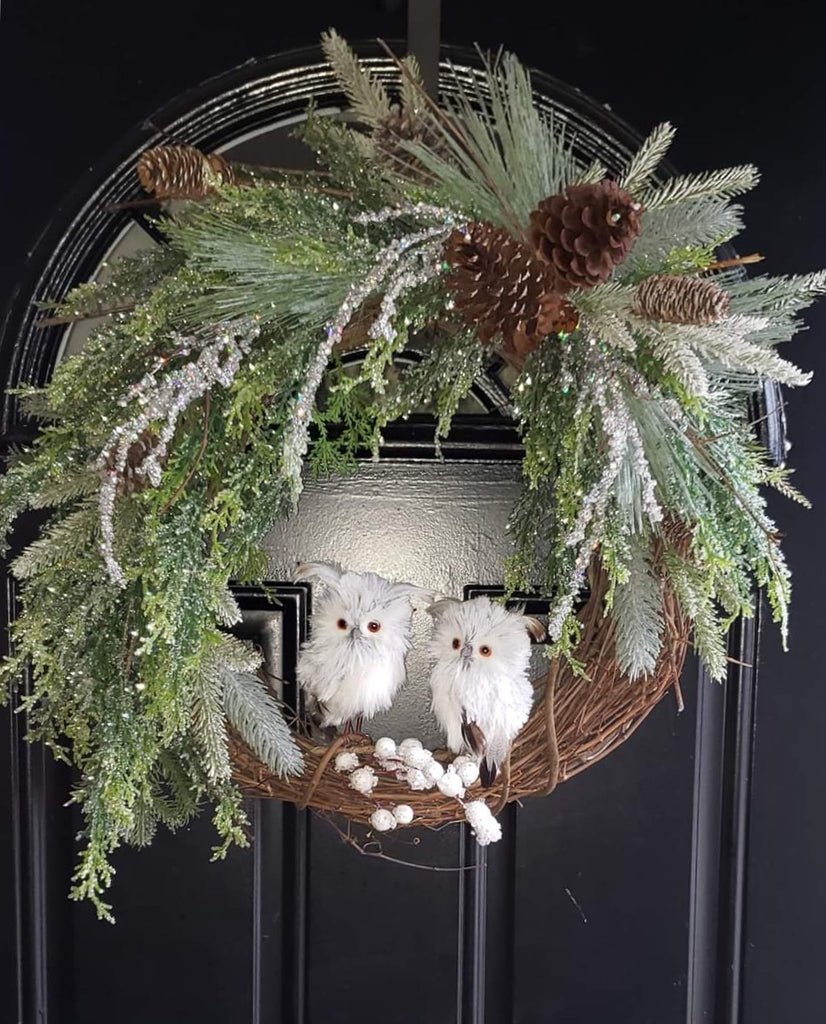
355 633
467 651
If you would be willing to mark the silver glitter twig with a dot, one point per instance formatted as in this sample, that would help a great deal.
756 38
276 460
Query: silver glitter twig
615 425
565 604
416 210
295 442
164 399
404 280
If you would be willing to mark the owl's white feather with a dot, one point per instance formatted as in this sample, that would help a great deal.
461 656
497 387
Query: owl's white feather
480 678
353 663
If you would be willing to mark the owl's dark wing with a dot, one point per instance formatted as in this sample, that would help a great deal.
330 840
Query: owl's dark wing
314 713
473 736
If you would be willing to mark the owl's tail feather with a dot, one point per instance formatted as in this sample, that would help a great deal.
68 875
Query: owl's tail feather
488 770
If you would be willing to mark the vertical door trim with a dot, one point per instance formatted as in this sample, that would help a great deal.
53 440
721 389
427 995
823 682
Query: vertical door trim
720 835
472 905
283 986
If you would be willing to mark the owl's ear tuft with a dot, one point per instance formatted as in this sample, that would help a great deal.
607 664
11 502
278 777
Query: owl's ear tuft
325 572
441 606
417 596
534 627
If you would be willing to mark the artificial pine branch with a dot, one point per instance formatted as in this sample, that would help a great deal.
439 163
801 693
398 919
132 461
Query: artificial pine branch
253 710
778 478
344 153
176 798
63 540
145 823
723 184
210 726
67 488
411 86
776 295
227 610
696 225
637 612
503 155
594 173
690 583
649 156
367 96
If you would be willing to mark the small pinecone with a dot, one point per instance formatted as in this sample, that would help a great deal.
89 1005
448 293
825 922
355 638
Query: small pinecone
133 481
500 287
678 533
404 125
584 234
680 300
181 172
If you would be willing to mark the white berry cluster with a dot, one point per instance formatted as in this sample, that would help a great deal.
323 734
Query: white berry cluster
486 829
412 763
416 766
384 820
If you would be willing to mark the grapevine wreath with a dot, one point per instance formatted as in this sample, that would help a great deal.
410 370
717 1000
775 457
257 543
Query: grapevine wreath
468 234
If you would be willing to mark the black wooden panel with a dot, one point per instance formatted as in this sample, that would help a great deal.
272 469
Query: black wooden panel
182 946
9 980
383 937
602 884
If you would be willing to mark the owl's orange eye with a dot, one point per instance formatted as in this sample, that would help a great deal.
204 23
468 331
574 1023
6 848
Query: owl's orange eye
457 643
485 651
342 623
374 627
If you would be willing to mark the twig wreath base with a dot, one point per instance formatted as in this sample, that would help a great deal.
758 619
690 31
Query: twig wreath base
579 719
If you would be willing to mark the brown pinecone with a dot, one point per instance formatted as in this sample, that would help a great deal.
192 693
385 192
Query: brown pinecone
404 125
499 286
181 172
680 300
132 481
585 233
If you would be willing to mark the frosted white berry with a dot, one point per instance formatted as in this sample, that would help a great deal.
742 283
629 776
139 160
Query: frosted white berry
363 780
484 826
468 772
433 771
346 761
385 748
382 820
450 784
417 757
403 813
411 743
417 779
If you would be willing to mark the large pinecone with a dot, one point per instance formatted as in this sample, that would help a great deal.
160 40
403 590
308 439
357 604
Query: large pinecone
499 286
585 233
181 172
405 125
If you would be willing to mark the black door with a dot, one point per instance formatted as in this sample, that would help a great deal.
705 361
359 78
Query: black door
622 894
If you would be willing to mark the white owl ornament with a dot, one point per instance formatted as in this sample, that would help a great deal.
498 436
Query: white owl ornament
482 693
353 663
